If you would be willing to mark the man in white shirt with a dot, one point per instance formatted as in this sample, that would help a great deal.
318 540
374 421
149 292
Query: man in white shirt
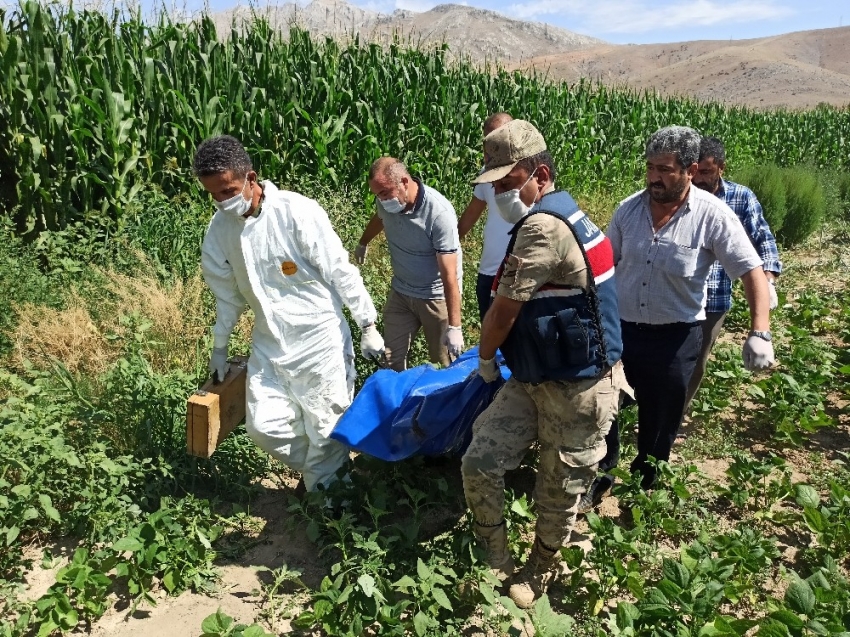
665 239
496 229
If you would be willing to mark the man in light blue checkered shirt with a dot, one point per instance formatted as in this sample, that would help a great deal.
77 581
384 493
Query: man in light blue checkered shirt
742 200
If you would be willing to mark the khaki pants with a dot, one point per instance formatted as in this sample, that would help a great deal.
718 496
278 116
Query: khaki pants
710 331
403 316
570 419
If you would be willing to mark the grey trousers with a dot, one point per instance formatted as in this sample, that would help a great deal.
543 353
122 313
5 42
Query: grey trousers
710 331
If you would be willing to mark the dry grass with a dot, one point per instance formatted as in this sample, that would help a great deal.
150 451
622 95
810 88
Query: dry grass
68 335
77 335
175 312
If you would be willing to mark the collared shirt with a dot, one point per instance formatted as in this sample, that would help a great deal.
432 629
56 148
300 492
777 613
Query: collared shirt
743 203
416 237
661 275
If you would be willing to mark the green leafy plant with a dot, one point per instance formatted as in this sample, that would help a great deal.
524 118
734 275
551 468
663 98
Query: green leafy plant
275 605
739 559
756 484
79 594
173 545
816 605
828 521
220 624
617 560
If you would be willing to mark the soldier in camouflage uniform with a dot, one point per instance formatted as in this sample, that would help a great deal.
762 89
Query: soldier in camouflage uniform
554 317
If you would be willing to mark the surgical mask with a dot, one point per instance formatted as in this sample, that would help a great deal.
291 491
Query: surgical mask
237 205
510 206
392 206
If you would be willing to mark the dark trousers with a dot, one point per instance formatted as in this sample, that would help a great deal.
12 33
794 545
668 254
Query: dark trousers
659 362
483 286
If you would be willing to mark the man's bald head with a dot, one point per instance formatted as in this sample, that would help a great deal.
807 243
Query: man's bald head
496 120
389 179
388 169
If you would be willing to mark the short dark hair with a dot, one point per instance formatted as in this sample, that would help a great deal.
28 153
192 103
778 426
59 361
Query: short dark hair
543 158
681 141
712 147
221 154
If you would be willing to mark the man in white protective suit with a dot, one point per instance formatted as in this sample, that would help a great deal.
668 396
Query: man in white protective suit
276 251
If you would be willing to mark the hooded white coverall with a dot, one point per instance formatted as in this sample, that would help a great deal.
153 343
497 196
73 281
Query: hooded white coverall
289 265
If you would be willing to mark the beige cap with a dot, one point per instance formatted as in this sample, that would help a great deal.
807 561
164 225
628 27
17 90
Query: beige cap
506 146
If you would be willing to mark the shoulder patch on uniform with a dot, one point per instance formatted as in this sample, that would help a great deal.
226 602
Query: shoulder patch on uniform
288 268
512 265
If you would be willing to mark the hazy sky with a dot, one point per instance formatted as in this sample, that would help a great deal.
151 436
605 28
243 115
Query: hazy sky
643 21
624 21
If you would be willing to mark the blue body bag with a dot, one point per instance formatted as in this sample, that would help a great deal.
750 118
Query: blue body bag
424 411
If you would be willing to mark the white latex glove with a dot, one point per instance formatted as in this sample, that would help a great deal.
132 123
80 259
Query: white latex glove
360 253
774 298
758 353
218 364
453 340
371 342
488 369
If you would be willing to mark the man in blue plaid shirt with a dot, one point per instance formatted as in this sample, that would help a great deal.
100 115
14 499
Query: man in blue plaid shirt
712 162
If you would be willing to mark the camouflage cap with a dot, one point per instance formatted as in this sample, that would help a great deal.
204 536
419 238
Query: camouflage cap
506 146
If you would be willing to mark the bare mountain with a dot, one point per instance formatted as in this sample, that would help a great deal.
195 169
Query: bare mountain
476 33
797 70
483 34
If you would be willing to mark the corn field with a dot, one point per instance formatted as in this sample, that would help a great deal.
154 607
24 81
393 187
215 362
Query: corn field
94 106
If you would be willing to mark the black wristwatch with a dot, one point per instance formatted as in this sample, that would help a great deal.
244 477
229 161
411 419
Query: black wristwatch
764 335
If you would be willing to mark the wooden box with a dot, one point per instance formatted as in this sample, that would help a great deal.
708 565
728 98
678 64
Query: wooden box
214 411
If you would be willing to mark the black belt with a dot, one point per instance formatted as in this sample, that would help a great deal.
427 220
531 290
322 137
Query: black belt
650 327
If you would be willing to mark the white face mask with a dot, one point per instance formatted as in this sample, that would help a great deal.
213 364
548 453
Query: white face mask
510 206
392 206
237 205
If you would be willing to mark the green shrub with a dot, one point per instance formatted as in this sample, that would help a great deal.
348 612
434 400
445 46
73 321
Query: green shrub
168 231
768 184
805 203
843 186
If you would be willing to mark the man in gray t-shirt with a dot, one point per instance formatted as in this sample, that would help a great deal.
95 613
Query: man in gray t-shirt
421 229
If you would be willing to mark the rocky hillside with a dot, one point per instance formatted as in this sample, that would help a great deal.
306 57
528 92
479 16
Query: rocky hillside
796 70
476 33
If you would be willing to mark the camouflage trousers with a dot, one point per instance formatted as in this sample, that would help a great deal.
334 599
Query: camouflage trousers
570 419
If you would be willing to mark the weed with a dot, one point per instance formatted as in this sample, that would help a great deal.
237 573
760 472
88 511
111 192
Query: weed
274 605
220 624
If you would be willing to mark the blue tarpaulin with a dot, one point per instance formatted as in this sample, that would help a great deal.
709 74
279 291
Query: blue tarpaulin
424 411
